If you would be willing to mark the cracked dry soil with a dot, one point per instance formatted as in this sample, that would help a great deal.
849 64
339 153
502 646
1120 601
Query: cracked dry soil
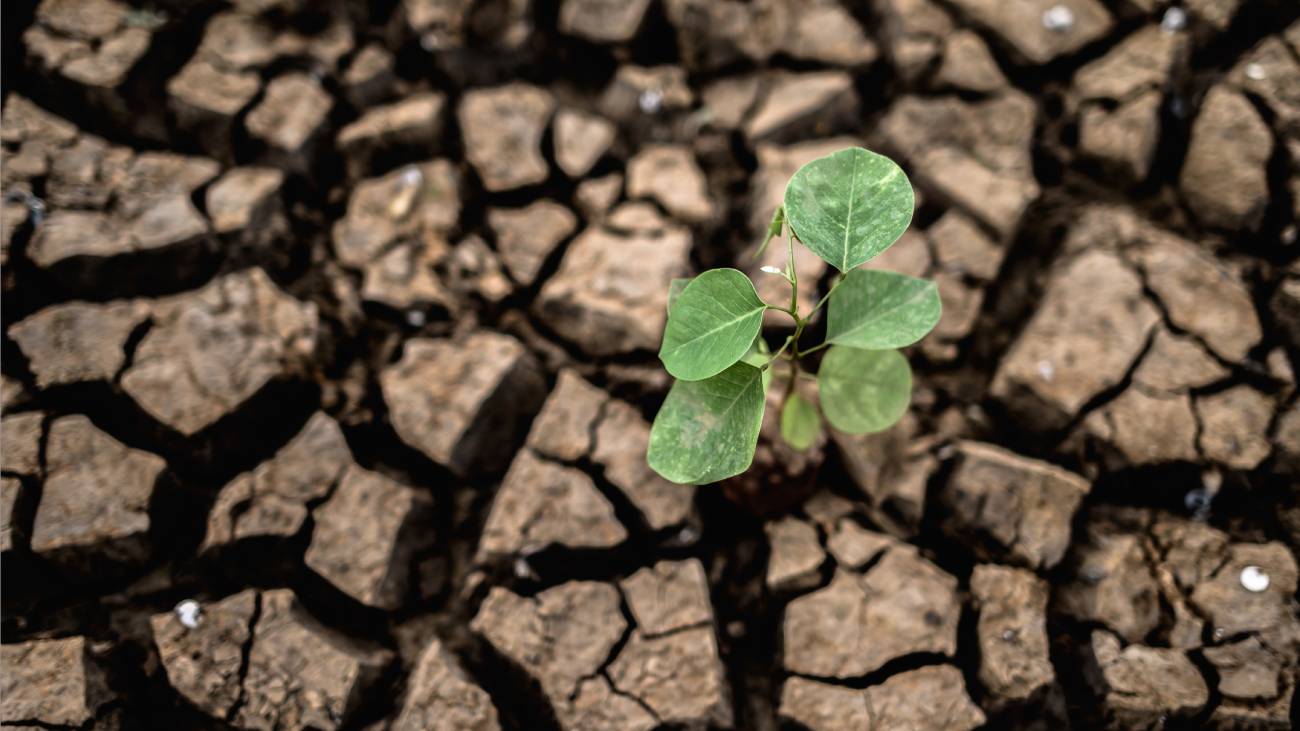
328 366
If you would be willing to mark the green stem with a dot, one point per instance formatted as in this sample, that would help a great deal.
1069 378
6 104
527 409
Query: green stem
794 279
789 384
798 330
838 280
814 349
777 355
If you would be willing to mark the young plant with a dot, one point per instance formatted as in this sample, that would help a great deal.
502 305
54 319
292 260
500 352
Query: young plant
847 208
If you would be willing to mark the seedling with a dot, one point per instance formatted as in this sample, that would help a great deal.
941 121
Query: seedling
847 207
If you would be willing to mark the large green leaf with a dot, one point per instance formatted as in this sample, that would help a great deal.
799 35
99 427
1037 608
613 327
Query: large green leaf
800 422
711 325
707 430
849 206
878 310
864 390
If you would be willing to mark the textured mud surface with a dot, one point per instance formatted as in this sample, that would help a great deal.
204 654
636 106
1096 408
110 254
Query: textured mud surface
328 363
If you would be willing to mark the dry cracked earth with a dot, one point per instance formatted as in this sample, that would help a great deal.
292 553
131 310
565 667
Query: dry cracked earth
328 361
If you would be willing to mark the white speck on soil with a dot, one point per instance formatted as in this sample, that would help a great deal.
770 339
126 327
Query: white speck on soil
415 318
1046 370
1058 18
770 270
1175 19
651 100
1254 579
189 613
411 176
523 570
1255 72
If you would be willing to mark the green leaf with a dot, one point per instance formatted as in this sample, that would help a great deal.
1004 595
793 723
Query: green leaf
849 206
758 354
879 310
864 390
711 325
773 230
800 422
675 288
707 430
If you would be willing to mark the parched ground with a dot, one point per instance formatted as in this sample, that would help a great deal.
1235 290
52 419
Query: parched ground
328 361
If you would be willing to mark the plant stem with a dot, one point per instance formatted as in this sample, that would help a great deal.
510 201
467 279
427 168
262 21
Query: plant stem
839 279
789 384
798 330
777 355
794 279
814 349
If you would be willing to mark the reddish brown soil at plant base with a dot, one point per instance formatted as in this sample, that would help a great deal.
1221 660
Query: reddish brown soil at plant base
329 339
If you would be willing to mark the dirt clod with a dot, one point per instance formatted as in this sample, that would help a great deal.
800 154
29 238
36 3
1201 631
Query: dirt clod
461 403
51 682
1021 508
212 350
1012 604
1140 685
95 502
838 632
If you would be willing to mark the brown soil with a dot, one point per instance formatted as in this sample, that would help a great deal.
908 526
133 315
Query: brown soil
328 367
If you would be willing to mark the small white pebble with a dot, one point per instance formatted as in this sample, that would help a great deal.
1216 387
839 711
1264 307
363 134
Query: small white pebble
412 176
1254 579
1255 72
189 612
651 100
523 570
1174 19
687 536
415 318
1046 370
1058 18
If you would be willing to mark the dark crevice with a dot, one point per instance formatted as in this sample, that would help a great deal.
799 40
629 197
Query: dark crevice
245 653
905 663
